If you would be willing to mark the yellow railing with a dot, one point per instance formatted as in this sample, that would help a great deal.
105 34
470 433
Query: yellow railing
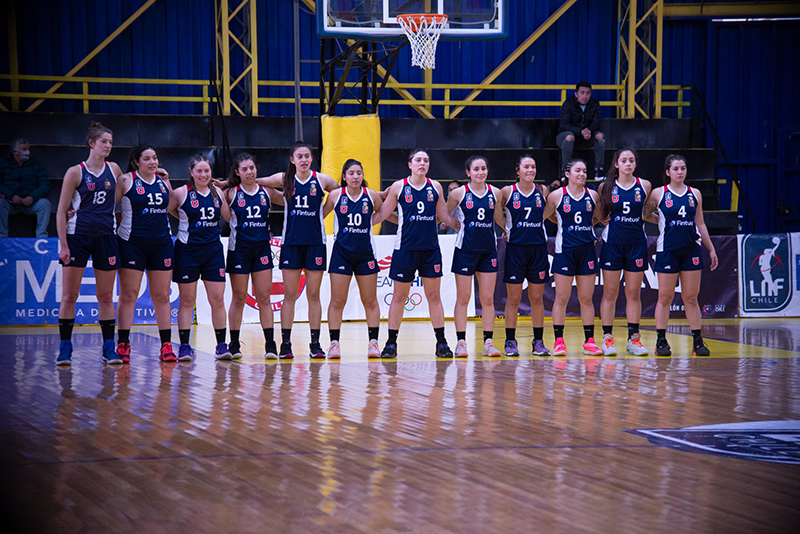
447 100
86 96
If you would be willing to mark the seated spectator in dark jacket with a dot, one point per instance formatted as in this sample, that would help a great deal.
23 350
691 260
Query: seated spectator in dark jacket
580 121
24 188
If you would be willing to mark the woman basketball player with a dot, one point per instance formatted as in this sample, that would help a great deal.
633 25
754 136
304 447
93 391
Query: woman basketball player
679 209
353 253
303 243
198 252
419 201
476 208
249 251
526 253
573 208
622 198
145 244
89 189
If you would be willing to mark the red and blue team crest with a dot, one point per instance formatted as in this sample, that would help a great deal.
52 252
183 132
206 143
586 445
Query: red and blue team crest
696 260
371 264
365 208
194 203
140 190
494 262
542 275
588 205
318 260
241 202
614 198
517 204
222 273
591 265
668 203
168 262
469 204
437 267
90 186
430 195
313 189
691 201
264 260
409 197
639 262
343 208
566 205
112 260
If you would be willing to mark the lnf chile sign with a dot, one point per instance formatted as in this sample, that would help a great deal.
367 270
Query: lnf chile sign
766 274
30 287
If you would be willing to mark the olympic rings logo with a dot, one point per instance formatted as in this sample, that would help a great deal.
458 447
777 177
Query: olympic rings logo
413 300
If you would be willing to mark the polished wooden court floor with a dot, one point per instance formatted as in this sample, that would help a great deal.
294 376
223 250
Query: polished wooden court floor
504 445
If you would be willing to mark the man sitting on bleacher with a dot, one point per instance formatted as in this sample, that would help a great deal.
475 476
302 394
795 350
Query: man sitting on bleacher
580 121
24 188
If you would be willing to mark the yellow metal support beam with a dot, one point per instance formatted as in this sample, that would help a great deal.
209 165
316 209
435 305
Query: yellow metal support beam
732 9
650 51
228 17
519 51
97 50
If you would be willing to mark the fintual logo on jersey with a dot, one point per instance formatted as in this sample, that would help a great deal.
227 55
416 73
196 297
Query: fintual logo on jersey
313 189
766 271
567 207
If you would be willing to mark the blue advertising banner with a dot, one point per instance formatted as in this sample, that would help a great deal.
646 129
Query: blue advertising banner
30 287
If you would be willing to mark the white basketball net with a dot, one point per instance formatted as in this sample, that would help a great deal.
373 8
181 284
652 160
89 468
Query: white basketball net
423 33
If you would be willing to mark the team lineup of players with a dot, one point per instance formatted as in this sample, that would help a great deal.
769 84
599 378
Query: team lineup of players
142 242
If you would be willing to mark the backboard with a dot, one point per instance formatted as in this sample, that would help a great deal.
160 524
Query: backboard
377 19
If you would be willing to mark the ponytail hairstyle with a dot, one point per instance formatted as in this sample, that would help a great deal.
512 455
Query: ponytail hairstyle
95 131
472 159
233 178
288 176
201 158
668 163
568 167
350 163
611 178
136 154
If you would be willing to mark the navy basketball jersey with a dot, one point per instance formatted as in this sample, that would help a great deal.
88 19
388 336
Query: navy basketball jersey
93 202
416 214
144 210
626 226
524 217
302 219
352 226
249 217
676 227
199 218
476 214
574 220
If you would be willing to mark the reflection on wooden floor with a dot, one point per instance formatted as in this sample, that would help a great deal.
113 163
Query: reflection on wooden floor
414 445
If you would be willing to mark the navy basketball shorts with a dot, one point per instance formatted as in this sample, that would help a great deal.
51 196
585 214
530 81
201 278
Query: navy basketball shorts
348 263
249 258
308 257
406 263
466 263
194 261
688 258
632 258
526 262
149 255
103 249
576 261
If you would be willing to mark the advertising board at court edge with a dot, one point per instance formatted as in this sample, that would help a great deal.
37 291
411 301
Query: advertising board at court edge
769 265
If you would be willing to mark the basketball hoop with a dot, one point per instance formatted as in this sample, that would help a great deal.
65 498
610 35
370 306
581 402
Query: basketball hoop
423 31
